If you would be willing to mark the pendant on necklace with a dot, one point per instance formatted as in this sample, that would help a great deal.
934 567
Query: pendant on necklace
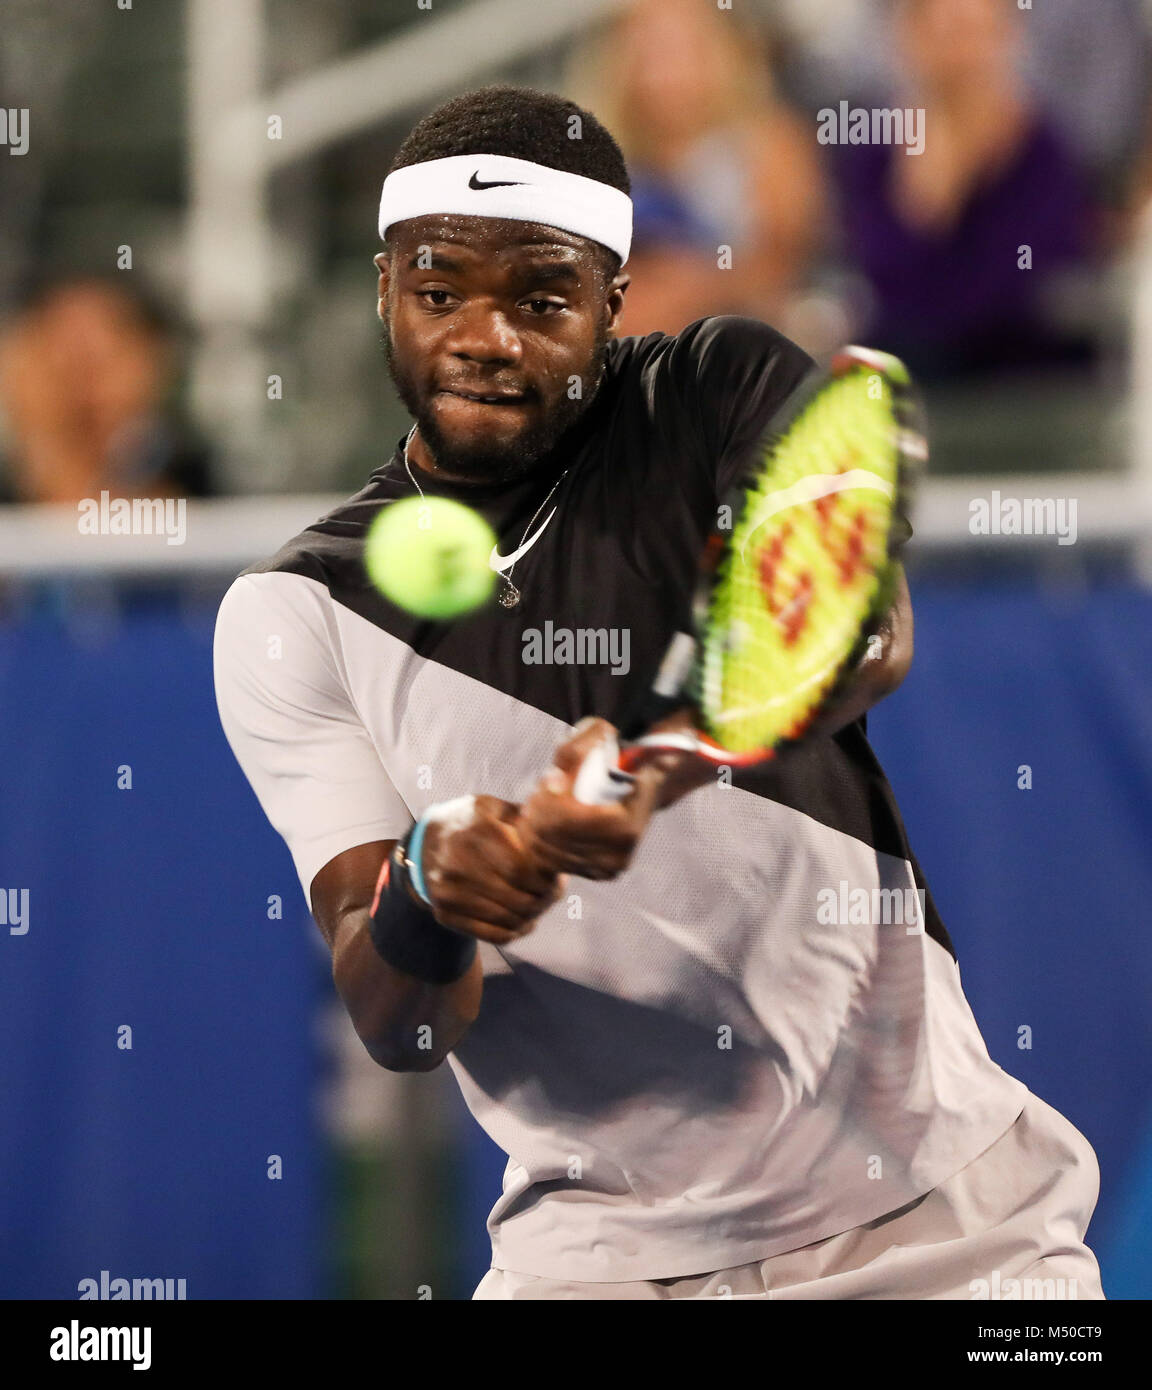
509 595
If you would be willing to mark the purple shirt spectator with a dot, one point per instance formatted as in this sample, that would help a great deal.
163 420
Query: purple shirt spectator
957 300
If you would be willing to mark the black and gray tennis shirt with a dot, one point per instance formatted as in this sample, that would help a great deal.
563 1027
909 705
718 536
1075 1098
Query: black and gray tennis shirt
722 1054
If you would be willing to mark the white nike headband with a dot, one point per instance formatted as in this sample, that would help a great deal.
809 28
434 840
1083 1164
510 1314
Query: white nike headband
495 185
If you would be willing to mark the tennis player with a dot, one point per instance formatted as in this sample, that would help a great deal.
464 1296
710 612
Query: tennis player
706 1083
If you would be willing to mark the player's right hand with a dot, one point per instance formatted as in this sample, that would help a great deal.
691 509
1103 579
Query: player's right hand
481 877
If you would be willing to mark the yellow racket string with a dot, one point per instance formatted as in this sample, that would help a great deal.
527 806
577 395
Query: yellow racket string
808 558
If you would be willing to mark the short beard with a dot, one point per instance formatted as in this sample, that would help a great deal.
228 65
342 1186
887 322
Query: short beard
485 466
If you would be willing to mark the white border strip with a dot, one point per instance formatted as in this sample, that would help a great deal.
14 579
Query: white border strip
227 534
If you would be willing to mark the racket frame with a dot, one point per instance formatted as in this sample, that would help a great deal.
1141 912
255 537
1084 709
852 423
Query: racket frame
606 774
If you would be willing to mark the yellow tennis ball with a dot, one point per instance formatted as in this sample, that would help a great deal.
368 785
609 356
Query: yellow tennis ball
429 555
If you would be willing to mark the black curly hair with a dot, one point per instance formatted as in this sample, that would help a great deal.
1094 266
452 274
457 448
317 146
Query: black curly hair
520 123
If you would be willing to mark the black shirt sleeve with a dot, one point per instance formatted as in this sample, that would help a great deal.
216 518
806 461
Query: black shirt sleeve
727 378
716 388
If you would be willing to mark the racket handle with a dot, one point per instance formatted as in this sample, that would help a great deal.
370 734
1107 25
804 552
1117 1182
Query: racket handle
600 780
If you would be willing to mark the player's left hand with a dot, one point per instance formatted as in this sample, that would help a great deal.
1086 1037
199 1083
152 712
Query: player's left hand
598 842
880 670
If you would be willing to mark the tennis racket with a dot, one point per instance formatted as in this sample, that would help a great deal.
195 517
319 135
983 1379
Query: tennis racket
798 573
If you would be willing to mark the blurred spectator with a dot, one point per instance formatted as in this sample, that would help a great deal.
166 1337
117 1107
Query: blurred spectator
1088 63
85 371
716 158
939 235
1090 66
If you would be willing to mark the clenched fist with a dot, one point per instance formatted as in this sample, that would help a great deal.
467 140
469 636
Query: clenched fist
480 874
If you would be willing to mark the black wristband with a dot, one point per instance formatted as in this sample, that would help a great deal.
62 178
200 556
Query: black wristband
410 939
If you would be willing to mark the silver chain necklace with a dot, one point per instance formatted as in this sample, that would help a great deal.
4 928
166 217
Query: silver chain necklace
509 595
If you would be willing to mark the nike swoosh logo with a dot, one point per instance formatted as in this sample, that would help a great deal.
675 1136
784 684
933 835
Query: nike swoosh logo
499 562
476 182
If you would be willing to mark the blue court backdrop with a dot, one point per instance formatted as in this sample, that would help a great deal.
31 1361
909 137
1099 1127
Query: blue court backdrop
170 908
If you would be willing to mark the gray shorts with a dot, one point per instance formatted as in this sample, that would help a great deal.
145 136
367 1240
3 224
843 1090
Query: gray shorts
1008 1226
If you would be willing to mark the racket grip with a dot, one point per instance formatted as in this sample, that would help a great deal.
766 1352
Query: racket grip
600 780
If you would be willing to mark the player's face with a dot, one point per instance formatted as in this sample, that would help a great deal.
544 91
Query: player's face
496 332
